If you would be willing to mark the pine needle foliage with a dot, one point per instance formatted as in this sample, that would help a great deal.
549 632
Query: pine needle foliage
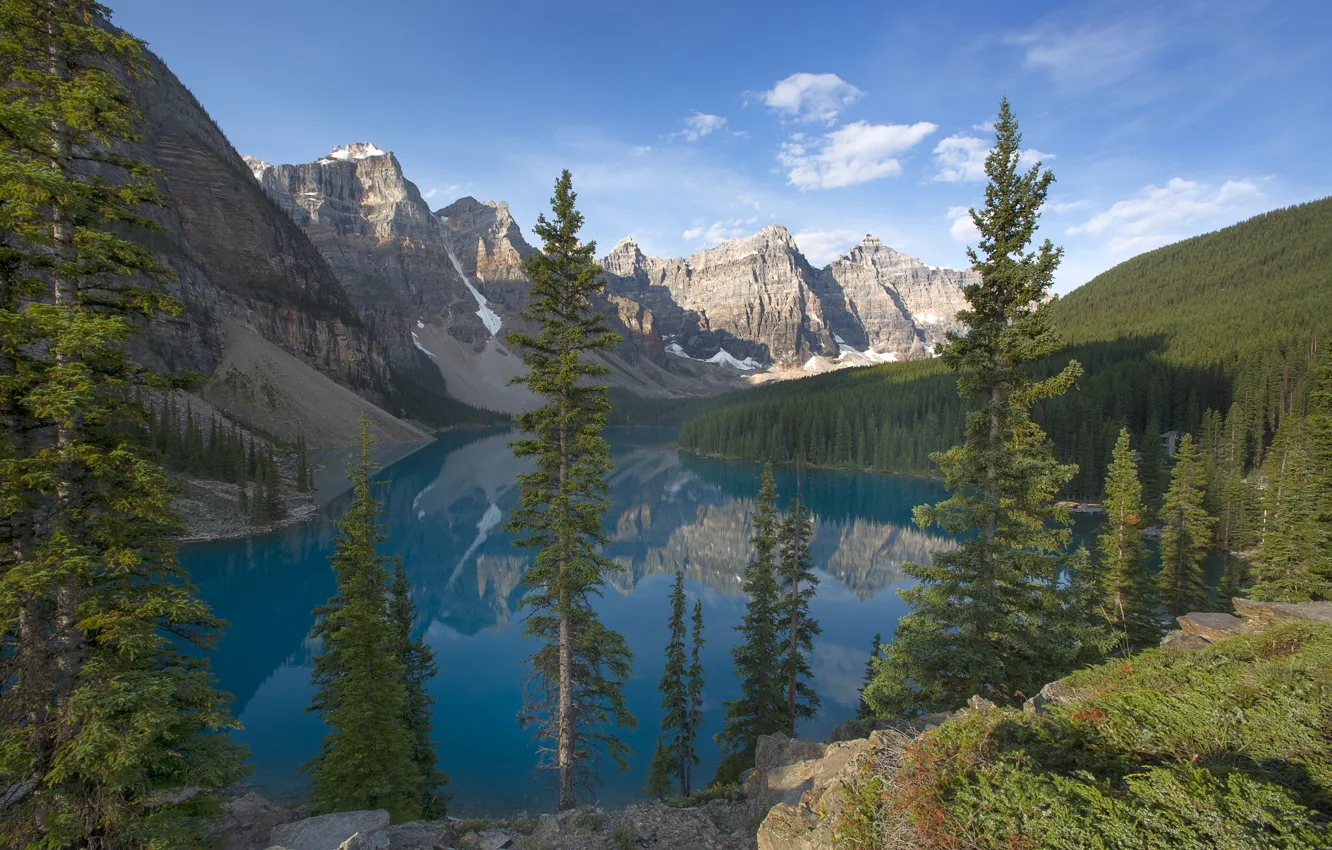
105 708
1128 592
1186 534
993 617
576 680
760 708
366 761
681 689
419 667
798 629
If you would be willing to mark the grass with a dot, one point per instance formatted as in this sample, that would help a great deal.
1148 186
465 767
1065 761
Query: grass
623 838
1230 747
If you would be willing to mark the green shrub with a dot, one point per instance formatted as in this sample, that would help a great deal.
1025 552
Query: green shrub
1230 747
623 838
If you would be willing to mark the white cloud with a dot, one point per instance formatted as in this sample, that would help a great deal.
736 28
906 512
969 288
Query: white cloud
1159 215
639 150
856 153
699 125
821 247
430 194
719 231
962 158
1065 207
962 228
811 97
1091 56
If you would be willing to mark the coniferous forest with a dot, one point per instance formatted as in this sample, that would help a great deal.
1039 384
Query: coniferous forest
1024 697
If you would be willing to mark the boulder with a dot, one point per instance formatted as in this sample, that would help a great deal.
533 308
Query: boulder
329 832
359 841
1054 693
490 839
786 777
420 835
1183 641
249 820
777 749
793 828
1273 613
1212 626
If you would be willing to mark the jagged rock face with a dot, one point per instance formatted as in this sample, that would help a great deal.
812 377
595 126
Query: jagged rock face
376 231
237 257
755 297
896 303
759 297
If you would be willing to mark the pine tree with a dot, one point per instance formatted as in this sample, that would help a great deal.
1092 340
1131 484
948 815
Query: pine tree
419 667
105 707
366 759
575 689
1319 441
659 771
1152 472
760 709
695 691
1128 592
1185 534
1283 569
993 617
876 652
798 629
674 688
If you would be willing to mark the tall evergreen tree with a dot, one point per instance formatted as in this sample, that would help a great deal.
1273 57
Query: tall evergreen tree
419 667
993 617
695 691
103 711
1283 569
1128 592
1319 436
876 652
660 769
366 759
576 682
797 628
674 688
1186 533
1153 471
760 709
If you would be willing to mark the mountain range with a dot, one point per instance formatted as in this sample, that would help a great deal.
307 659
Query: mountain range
317 291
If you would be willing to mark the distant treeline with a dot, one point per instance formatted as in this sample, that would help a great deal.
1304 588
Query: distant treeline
1228 322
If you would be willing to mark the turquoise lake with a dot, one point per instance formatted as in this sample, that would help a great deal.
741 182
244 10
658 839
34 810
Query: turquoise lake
446 505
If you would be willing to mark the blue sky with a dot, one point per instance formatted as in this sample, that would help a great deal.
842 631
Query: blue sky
688 122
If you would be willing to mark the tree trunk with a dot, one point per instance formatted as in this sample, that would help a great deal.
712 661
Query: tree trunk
565 744
65 292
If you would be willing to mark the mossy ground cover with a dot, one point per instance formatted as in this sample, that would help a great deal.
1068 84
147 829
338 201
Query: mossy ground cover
1230 747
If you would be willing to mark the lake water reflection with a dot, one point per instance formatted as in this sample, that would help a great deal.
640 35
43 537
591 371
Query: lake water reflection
446 506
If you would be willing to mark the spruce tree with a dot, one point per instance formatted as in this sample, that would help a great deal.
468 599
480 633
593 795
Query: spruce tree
660 769
366 761
797 628
1319 442
1153 471
760 709
993 617
674 688
695 691
1283 569
575 688
1128 592
876 652
105 707
1186 533
419 667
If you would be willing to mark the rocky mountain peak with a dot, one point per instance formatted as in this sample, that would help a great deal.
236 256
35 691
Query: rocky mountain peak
354 152
257 167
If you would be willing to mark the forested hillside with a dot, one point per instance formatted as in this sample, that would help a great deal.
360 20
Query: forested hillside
1229 321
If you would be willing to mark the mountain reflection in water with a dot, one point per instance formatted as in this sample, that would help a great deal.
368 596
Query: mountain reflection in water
445 510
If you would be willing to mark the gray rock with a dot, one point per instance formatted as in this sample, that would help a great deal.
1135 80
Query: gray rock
249 820
420 835
1212 626
490 839
1275 613
360 841
1185 642
979 703
328 832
